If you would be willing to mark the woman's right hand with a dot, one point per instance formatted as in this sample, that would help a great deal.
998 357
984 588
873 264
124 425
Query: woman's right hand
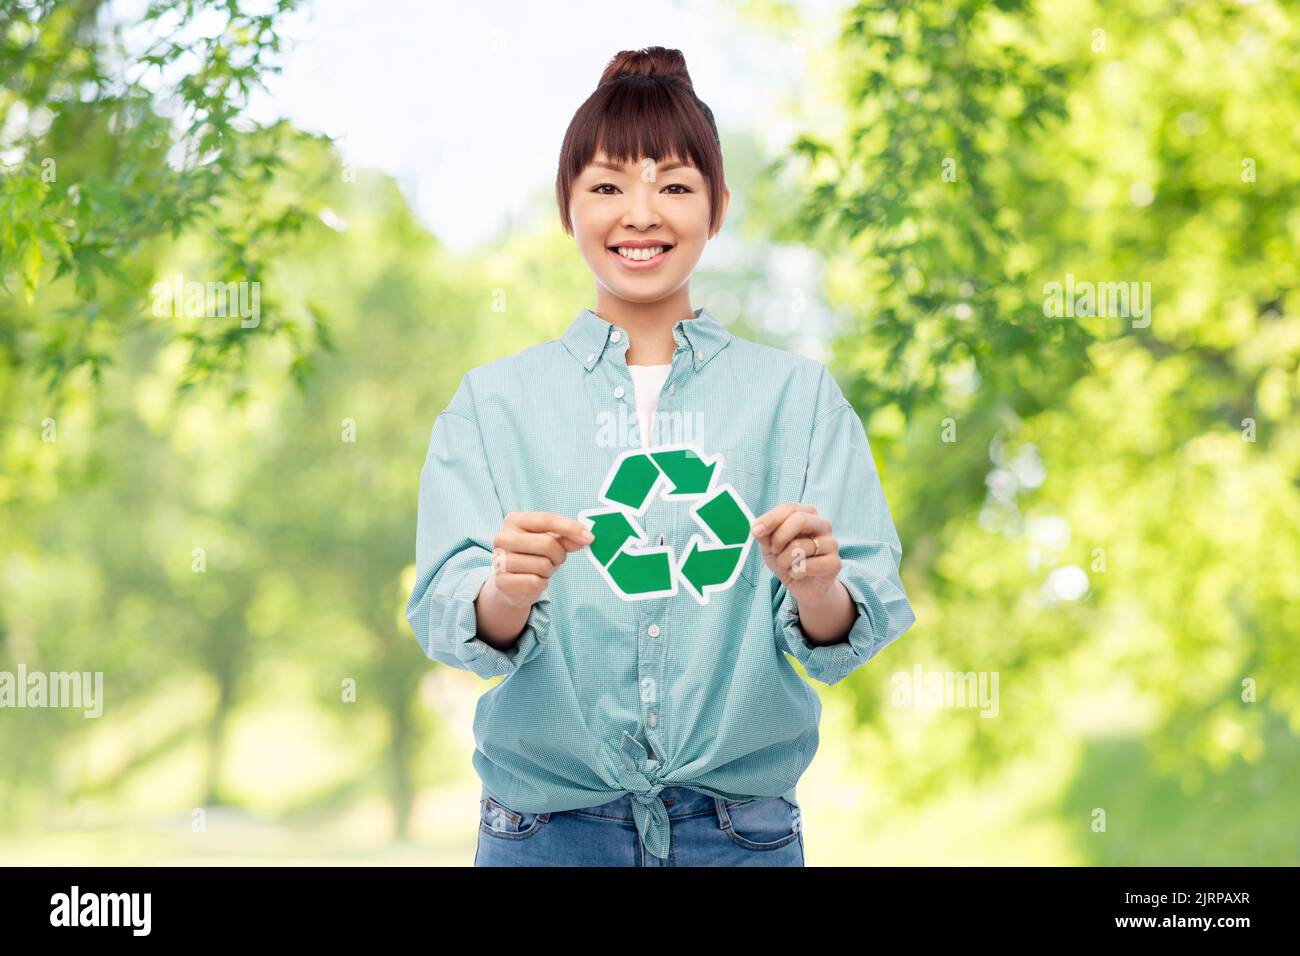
528 549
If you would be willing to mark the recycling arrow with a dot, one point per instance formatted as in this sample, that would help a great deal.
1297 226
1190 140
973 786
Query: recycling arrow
621 552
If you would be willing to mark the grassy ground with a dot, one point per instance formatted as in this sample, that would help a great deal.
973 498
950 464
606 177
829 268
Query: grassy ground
1040 811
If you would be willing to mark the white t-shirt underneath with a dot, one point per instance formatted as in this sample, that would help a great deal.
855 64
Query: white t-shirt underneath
648 379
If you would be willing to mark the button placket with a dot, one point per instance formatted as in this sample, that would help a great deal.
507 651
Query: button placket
654 614
618 343
650 662
650 643
682 368
661 627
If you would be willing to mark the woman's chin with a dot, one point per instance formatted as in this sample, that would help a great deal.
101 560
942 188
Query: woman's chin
638 290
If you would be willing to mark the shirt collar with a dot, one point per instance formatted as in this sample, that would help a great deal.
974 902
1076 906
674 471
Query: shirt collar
588 336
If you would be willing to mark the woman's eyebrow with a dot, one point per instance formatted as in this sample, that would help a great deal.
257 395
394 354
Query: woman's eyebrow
664 168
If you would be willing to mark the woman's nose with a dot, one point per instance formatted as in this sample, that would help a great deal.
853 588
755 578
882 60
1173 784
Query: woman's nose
642 212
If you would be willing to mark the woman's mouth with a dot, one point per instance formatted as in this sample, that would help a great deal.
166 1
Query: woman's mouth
639 260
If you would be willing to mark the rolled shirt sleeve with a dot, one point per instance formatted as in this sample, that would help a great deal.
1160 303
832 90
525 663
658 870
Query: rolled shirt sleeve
458 516
844 485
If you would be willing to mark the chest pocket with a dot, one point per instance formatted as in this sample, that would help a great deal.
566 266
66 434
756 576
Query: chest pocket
763 482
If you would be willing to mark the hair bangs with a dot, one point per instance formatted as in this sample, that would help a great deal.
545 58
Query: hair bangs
636 117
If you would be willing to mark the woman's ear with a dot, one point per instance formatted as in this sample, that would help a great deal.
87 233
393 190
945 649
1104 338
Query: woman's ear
722 217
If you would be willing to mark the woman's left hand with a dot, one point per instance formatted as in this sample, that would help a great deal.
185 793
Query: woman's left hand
797 544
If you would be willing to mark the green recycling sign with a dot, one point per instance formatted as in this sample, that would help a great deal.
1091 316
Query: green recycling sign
633 568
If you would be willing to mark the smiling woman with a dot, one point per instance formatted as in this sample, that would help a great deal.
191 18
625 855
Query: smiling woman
639 722
640 182
643 106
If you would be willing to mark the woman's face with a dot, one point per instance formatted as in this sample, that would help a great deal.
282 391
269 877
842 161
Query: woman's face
640 207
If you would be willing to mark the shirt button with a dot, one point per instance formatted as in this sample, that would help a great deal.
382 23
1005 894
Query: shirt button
654 719
618 392
615 335
591 358
700 356
653 630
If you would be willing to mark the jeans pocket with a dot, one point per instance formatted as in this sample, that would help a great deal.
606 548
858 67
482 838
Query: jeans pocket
498 820
763 823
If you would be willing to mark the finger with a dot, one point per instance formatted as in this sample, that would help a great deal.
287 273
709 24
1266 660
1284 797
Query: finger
571 528
517 585
525 542
537 521
800 524
512 562
766 523
569 544
822 565
793 525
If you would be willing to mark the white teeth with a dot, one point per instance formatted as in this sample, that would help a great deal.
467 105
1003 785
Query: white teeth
638 254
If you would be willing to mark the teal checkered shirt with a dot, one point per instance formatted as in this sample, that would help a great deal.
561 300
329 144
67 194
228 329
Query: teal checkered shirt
603 696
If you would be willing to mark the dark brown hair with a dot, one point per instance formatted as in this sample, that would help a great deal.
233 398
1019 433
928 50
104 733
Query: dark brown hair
644 105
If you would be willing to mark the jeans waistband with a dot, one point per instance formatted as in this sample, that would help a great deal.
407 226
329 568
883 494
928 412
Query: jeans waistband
679 801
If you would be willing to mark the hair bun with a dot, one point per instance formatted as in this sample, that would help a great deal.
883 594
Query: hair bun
652 61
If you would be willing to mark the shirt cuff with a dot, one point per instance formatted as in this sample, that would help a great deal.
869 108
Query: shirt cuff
874 628
461 624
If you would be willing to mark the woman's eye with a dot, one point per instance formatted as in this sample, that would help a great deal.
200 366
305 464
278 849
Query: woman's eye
609 189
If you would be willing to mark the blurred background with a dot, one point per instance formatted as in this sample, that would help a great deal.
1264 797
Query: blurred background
212 503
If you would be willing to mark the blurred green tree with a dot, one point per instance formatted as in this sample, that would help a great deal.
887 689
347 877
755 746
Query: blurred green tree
1096 499
115 137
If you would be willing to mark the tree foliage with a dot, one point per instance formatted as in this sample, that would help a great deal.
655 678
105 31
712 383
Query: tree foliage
117 138
986 152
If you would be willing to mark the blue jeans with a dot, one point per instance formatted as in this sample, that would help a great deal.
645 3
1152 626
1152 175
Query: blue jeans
703 831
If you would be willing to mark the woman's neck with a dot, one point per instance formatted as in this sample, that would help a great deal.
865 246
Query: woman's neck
649 325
